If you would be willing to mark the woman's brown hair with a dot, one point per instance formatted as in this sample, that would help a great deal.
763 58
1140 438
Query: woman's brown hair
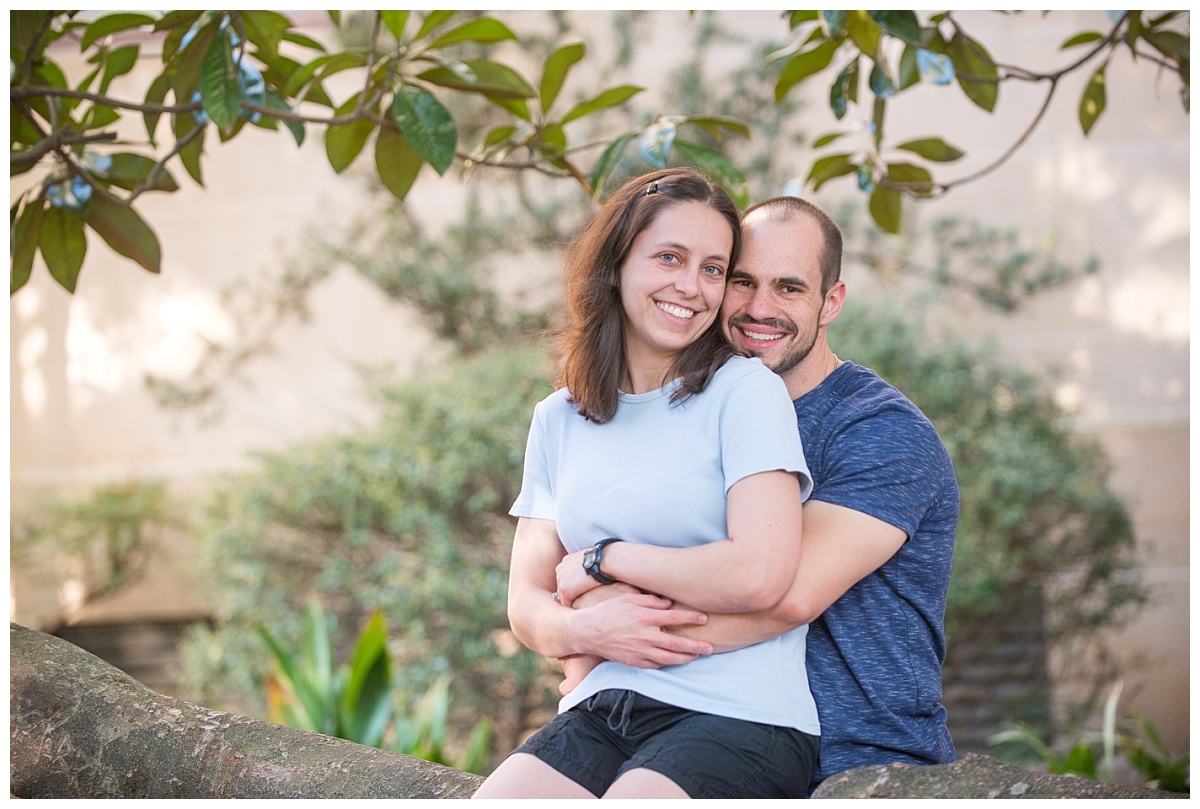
593 339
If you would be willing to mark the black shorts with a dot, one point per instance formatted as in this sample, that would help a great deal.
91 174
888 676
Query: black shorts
708 756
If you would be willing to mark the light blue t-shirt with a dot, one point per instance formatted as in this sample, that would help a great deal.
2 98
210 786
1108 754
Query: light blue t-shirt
658 473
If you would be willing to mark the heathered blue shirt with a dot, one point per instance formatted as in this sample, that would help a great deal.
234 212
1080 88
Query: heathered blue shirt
875 656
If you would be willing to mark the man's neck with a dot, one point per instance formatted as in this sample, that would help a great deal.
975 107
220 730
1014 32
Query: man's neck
812 371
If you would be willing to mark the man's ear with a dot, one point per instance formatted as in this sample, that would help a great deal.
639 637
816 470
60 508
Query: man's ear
832 305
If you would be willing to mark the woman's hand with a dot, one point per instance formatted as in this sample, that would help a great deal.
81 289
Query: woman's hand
573 580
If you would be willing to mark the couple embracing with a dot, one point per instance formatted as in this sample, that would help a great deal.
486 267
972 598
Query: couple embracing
719 639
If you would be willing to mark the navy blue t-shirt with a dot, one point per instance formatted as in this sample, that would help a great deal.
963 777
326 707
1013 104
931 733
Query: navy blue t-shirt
875 656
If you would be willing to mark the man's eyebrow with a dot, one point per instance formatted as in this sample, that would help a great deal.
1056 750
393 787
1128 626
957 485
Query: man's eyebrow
786 280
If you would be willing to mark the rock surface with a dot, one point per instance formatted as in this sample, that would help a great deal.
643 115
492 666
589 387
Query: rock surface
972 776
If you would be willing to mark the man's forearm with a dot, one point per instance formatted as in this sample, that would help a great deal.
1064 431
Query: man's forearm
729 631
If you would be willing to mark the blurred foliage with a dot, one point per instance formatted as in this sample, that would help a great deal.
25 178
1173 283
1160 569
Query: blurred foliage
406 517
1093 755
359 700
104 540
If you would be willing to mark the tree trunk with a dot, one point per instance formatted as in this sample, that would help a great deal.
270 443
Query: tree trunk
80 728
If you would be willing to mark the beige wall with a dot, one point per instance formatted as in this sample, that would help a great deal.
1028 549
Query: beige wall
79 413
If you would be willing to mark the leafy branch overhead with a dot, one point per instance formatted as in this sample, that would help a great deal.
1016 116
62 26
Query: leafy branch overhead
219 71
893 52
223 70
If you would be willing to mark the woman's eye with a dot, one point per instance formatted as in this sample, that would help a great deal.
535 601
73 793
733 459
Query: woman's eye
714 269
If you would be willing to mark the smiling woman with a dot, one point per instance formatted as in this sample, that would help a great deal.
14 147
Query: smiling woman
665 470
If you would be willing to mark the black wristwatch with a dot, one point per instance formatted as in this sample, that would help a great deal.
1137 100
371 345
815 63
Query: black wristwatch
591 561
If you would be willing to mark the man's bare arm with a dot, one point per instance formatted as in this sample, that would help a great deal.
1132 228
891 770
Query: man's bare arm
841 546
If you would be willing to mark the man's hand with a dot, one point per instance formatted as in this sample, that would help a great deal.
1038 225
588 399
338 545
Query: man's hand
619 622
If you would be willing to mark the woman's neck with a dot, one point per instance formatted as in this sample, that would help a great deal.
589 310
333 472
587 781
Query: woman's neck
645 376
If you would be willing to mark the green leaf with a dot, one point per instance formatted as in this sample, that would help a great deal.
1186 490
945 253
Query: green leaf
185 80
718 125
99 116
300 686
63 245
26 232
903 25
843 90
277 102
552 143
125 231
803 65
884 206
219 90
322 68
174 20
483 30
110 24
826 168
834 23
934 149
155 95
825 140
798 17
190 154
366 702
918 179
976 72
609 98
265 29
344 143
1094 99
489 78
432 20
909 71
516 106
863 32
302 40
394 21
1082 39
717 166
129 169
558 64
397 162
118 62
607 162
427 124
1171 44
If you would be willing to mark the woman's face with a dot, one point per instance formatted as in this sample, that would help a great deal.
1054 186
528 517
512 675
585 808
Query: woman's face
673 280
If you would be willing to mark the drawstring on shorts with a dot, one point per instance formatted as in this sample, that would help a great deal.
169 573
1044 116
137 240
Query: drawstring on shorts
618 714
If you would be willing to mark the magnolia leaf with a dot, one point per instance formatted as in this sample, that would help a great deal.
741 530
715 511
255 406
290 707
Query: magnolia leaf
63 245
608 160
826 168
118 62
803 65
124 231
717 166
884 206
492 79
558 64
396 161
219 89
863 32
1082 39
432 20
127 170
24 245
265 29
917 180
155 95
110 24
1094 99
934 149
903 25
427 125
717 125
343 143
484 30
976 72
190 154
275 101
609 98
395 20
827 139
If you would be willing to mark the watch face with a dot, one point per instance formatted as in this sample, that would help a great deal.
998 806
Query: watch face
589 558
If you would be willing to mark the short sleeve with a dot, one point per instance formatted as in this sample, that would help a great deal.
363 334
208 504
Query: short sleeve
889 464
536 499
758 429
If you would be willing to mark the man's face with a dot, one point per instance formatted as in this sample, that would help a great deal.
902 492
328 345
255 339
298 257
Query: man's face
773 303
